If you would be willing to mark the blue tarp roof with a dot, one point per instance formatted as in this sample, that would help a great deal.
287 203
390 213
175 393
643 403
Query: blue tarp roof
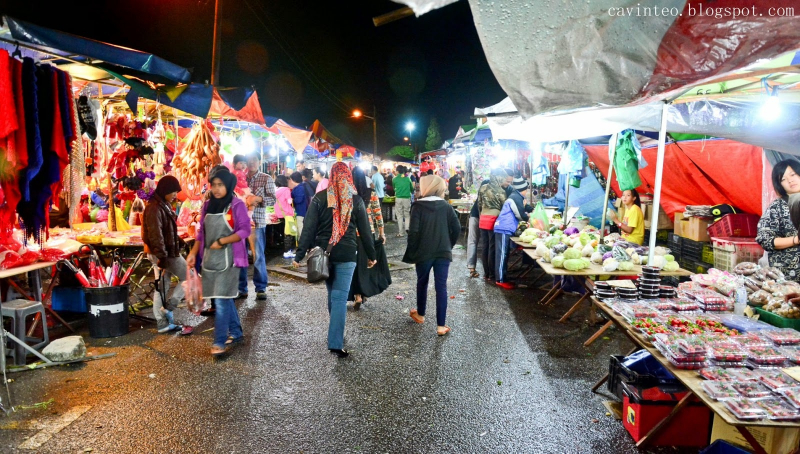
158 69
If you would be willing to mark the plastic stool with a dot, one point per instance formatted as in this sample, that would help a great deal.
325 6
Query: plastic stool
19 311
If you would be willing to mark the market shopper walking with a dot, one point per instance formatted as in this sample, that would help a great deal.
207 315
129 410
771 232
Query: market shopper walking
403 188
221 248
321 179
368 281
163 247
263 195
299 199
491 197
433 233
776 232
285 211
333 219
513 212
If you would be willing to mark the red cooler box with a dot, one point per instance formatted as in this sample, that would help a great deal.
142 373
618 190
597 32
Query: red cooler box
690 427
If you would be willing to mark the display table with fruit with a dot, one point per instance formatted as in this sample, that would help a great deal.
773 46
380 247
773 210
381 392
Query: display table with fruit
737 375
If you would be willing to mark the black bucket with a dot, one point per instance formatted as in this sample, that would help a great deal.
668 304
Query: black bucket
108 311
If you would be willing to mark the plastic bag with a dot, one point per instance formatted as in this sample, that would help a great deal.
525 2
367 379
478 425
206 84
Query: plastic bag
9 259
539 218
194 291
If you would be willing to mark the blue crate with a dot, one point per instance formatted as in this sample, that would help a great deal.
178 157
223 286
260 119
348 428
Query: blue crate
69 299
723 447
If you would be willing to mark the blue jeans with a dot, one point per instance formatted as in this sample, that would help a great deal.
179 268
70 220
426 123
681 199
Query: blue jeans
226 321
502 247
259 264
338 285
440 270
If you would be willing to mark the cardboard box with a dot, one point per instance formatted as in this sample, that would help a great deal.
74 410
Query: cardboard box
690 427
692 228
663 220
773 440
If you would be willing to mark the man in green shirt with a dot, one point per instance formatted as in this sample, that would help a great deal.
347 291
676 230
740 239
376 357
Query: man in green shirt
402 202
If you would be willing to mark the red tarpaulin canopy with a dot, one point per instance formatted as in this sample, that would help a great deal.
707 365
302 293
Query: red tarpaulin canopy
698 172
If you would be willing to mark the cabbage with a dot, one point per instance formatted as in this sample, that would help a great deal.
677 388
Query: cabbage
597 257
574 264
558 261
620 254
671 266
630 251
571 230
585 238
625 266
661 250
610 265
669 258
658 261
636 259
586 262
644 259
552 241
547 255
541 249
572 254
559 248
607 256
577 246
587 250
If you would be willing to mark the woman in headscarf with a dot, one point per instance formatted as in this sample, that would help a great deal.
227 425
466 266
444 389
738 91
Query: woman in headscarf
433 233
221 246
332 220
369 281
163 247
490 201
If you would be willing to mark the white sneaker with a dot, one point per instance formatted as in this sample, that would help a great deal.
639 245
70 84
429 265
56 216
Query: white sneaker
288 255
294 254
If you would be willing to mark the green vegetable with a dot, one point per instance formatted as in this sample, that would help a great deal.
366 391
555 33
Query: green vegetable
558 261
669 258
552 241
625 266
671 266
586 262
574 264
584 238
572 253
603 248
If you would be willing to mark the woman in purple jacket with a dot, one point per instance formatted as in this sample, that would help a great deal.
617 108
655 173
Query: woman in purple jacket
220 244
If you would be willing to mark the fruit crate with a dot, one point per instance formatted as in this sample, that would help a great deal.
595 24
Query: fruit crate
728 252
735 225
777 320
674 243
708 254
692 250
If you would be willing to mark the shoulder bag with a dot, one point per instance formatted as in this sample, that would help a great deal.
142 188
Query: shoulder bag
319 264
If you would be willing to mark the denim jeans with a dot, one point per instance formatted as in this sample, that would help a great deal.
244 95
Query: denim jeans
338 285
226 321
472 243
440 270
487 255
502 247
176 266
259 264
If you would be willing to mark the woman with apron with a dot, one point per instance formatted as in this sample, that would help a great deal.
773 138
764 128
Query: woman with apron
220 245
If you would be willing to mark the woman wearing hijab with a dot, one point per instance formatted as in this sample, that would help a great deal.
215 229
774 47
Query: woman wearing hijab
332 220
433 233
163 247
221 247
369 281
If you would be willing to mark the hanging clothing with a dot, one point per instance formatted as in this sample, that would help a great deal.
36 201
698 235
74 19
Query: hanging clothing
30 92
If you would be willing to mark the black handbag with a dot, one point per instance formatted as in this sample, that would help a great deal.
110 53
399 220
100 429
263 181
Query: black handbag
319 264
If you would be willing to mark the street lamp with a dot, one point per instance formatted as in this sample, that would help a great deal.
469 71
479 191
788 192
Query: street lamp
410 126
358 114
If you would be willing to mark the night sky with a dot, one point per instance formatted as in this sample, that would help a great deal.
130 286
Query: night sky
307 59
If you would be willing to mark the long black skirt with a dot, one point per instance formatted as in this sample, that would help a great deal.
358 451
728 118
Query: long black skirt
373 281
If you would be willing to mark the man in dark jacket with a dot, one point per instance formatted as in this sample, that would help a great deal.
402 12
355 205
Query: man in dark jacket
163 246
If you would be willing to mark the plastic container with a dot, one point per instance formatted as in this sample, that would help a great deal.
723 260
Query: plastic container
751 389
775 379
720 390
792 353
727 352
718 374
723 447
792 395
776 320
735 225
691 345
680 305
766 355
783 336
752 340
745 409
778 409
108 311
728 252
746 374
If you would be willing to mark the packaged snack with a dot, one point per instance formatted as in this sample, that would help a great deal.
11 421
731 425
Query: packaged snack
718 374
745 409
775 379
766 355
792 353
783 336
752 340
792 395
720 390
778 410
727 351
751 389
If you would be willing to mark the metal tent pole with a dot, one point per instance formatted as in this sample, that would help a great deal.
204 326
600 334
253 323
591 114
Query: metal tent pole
610 174
566 202
662 138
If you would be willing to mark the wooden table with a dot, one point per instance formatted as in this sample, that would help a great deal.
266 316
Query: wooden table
522 244
692 380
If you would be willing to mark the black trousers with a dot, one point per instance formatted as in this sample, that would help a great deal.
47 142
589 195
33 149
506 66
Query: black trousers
487 253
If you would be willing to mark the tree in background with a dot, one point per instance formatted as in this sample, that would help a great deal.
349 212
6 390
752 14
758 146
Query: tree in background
434 140
403 151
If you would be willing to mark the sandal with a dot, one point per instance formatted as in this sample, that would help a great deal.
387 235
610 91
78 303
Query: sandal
416 317
218 351
442 332
233 341
474 273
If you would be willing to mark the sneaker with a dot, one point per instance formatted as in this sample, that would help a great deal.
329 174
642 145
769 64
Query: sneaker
288 255
187 330
261 296
293 253
168 328
241 296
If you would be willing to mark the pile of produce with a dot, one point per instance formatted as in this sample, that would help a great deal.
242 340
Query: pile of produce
200 153
768 288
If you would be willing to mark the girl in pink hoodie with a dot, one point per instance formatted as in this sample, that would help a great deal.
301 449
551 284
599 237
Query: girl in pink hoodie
284 209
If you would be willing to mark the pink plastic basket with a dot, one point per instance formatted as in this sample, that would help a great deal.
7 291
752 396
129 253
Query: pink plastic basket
735 225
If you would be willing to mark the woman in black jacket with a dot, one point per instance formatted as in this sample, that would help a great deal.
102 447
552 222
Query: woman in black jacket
331 222
433 233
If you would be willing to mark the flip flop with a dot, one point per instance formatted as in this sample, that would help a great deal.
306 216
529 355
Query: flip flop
234 341
416 317
444 332
217 351
187 330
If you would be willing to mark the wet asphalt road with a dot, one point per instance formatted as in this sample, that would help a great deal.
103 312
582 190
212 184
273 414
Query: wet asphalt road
509 378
